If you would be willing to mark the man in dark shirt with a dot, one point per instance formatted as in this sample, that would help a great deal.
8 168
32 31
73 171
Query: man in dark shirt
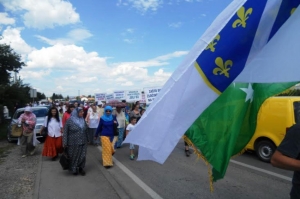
287 156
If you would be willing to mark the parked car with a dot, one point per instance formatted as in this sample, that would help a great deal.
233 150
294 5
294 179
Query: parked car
275 116
40 112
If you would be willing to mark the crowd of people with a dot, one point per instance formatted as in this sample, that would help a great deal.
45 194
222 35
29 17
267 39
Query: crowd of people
69 128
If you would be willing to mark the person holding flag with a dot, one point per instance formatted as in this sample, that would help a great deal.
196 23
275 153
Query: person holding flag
287 156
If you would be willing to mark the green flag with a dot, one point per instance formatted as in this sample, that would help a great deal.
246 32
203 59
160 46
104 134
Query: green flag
227 125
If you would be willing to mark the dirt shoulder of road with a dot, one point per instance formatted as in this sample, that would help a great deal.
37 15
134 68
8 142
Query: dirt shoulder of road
17 174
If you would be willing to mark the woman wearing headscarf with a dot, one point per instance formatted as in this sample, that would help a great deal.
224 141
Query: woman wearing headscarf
106 131
75 139
28 121
53 143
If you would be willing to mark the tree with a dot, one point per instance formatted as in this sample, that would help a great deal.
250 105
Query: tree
14 93
9 62
40 96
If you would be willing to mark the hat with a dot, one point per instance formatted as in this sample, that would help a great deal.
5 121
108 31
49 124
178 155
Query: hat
28 109
99 103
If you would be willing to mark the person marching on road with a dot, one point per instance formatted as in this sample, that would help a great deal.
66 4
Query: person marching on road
28 121
75 140
287 156
53 143
120 115
92 119
129 128
106 131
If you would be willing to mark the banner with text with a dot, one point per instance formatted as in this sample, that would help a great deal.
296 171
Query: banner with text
109 97
99 97
133 96
151 93
119 95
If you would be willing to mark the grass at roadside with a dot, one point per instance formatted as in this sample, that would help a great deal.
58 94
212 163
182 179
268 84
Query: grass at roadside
4 145
4 151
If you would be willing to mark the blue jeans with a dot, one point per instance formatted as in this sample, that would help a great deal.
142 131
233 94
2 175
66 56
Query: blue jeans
120 137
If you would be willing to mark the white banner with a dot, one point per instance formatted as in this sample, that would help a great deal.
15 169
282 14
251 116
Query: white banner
100 96
109 97
133 96
119 95
150 93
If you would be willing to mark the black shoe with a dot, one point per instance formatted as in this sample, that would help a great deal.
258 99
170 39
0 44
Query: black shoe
82 172
107 167
187 153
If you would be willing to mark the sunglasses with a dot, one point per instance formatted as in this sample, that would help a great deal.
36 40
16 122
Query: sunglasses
108 111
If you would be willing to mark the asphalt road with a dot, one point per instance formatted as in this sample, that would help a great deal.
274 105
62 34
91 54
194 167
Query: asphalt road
187 177
179 177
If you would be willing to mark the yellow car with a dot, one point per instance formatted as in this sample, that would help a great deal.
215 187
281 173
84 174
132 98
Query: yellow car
275 116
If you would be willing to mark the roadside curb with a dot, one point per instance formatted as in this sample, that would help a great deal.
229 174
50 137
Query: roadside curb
115 185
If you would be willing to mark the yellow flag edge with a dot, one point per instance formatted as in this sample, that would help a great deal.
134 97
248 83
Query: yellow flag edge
200 156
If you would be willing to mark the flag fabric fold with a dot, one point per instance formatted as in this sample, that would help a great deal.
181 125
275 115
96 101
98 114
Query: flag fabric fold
227 125
219 56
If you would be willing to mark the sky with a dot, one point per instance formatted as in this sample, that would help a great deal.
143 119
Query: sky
73 47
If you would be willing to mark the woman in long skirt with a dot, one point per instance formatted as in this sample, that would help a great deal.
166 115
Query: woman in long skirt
75 139
106 131
53 143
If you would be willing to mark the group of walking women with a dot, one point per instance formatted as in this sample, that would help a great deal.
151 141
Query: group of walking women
73 132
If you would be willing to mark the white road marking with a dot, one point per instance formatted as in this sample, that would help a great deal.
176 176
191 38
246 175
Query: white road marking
263 170
138 181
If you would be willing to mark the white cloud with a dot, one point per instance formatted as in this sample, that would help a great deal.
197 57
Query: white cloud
158 79
172 55
175 25
4 19
130 30
29 74
60 88
73 37
128 83
79 34
69 68
203 15
12 37
129 41
43 14
65 57
145 5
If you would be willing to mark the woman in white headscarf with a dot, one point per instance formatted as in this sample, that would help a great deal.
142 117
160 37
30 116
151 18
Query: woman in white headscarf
75 139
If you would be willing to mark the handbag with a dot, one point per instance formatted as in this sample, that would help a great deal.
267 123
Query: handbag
16 130
64 160
45 132
116 130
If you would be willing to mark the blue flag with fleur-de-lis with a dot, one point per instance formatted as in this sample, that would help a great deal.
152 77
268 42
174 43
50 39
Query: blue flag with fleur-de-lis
235 37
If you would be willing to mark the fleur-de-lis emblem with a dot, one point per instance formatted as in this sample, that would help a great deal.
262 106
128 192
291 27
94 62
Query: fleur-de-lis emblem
212 44
293 10
243 16
222 68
